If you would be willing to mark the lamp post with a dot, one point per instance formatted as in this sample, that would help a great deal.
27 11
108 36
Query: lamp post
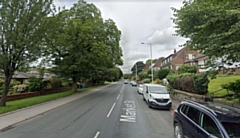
150 44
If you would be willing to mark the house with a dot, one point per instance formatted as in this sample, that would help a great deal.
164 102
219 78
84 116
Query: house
199 61
157 65
175 60
23 77
147 67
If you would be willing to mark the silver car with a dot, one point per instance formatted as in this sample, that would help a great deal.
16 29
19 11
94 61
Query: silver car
140 89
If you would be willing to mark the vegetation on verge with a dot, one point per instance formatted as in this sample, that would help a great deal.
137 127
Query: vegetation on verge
18 104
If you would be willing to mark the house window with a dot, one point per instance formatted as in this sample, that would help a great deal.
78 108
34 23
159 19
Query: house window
187 56
193 56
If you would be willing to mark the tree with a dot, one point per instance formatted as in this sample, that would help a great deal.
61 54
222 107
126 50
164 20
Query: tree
22 30
162 73
212 27
81 44
137 66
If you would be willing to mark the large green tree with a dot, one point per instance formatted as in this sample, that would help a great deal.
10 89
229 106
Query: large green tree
213 27
22 28
81 44
138 67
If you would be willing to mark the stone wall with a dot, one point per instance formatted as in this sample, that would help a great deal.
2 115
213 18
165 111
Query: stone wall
181 95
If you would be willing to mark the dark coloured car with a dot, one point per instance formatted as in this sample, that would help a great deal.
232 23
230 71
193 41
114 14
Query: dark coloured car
133 83
206 120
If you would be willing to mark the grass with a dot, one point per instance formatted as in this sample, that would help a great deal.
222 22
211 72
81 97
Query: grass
215 84
18 104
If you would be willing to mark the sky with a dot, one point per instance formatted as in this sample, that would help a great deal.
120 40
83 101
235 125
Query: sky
140 21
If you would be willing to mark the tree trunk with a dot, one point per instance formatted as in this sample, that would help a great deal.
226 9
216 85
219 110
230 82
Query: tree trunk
74 85
7 81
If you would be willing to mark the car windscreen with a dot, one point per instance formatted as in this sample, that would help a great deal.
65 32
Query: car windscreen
158 90
232 128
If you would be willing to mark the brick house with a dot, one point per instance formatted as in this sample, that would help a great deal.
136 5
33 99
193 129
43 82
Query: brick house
175 60
200 61
157 65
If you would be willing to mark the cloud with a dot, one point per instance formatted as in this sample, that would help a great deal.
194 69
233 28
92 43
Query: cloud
140 21
166 39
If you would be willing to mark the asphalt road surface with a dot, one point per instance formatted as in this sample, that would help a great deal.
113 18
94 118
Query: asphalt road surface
117 111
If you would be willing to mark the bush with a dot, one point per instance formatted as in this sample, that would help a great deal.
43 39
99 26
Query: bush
67 83
163 73
187 69
201 83
55 82
34 84
189 82
146 81
20 88
233 87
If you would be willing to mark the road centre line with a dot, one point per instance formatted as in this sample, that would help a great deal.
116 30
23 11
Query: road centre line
118 96
111 110
96 135
122 89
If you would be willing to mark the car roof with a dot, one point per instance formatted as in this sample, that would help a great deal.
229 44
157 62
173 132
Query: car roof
221 111
148 84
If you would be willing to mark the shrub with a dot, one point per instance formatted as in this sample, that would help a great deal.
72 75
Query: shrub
146 81
163 73
55 82
187 69
233 87
20 88
34 84
201 83
189 82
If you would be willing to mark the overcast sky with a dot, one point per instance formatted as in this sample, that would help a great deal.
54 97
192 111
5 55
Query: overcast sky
140 21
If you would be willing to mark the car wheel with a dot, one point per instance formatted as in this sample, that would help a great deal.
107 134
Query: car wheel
178 131
144 99
149 105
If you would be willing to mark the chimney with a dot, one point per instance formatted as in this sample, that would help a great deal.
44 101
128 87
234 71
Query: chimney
174 51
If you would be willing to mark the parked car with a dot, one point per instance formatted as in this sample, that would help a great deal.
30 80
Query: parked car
133 83
157 96
140 89
206 120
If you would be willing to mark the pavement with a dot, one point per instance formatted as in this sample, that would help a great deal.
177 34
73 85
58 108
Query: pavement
8 120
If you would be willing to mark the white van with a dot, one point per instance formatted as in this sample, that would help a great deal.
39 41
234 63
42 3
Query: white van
157 96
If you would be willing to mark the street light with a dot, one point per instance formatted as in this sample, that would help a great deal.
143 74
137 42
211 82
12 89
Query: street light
151 58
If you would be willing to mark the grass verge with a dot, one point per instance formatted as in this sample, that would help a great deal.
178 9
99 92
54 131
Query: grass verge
215 84
18 104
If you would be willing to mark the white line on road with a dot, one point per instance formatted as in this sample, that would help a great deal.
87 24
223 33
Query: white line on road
122 89
97 134
118 96
111 110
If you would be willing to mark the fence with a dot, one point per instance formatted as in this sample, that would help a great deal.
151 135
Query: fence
18 96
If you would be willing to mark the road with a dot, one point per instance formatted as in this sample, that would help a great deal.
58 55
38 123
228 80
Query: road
117 111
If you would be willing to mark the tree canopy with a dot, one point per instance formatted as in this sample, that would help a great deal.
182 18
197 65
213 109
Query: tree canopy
82 44
22 28
211 26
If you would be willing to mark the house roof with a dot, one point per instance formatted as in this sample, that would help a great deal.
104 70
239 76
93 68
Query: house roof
158 63
146 67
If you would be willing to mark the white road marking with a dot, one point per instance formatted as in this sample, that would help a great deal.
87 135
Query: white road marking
97 134
118 96
111 110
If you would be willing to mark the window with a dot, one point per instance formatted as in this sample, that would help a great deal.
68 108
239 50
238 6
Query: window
193 114
187 56
210 126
